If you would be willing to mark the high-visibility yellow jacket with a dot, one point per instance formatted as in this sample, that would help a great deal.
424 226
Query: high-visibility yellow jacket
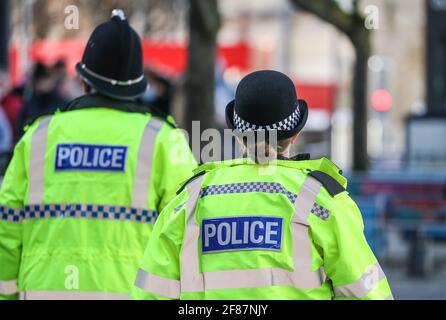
240 230
79 200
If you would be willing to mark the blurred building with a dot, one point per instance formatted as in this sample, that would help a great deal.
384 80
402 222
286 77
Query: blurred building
260 34
320 59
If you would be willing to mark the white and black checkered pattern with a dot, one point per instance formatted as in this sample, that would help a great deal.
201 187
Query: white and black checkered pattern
285 125
10 214
320 211
267 187
41 211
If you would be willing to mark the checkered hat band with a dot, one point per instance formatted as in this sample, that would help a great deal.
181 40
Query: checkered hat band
102 212
248 187
285 125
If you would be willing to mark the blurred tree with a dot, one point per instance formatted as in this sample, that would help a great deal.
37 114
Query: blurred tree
153 18
164 17
352 24
4 36
204 22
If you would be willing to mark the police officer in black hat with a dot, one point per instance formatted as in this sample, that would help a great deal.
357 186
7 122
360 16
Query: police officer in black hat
266 108
112 62
263 228
95 176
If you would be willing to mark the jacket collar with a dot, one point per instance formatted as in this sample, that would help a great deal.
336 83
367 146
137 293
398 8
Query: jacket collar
96 100
305 165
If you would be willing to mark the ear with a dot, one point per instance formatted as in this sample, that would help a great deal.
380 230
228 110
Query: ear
294 138
86 87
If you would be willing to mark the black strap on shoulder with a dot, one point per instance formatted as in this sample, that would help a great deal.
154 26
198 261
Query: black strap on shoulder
95 100
189 181
299 157
333 187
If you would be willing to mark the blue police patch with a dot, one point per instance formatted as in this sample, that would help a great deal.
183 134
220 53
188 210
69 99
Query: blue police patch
90 157
241 233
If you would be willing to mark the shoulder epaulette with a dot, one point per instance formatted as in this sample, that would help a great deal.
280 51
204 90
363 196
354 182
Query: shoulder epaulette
189 181
333 187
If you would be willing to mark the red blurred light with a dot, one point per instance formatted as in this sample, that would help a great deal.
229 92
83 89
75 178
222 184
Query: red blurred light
382 100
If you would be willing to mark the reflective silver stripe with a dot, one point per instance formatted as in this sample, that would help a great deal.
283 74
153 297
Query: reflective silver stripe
191 278
301 240
144 164
37 162
72 295
301 277
158 285
8 287
362 287
305 200
110 80
255 278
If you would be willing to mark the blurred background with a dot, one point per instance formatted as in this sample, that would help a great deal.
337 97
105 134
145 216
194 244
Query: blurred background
372 71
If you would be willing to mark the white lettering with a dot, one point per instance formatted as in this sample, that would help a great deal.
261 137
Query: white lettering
72 20
269 232
104 158
209 232
95 156
117 158
220 234
372 17
72 279
246 232
63 154
372 278
252 234
85 162
76 156
234 239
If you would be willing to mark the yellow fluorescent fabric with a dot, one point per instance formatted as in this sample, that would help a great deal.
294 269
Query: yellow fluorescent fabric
332 226
83 231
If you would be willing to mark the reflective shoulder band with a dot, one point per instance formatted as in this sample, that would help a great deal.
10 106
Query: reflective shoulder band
257 278
8 287
303 276
363 286
143 170
191 278
37 161
72 295
305 200
158 285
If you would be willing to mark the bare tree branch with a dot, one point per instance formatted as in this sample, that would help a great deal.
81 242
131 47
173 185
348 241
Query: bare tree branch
329 11
352 25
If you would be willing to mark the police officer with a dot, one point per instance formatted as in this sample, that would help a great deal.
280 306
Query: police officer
239 230
85 185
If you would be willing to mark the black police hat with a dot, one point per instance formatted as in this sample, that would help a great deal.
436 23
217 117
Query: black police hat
112 61
267 100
